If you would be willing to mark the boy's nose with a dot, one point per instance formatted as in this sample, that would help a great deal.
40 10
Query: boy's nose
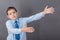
12 14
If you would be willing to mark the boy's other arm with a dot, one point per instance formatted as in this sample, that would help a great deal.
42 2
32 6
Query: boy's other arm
28 29
47 10
11 29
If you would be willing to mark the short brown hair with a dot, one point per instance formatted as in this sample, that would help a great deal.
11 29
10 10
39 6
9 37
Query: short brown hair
9 8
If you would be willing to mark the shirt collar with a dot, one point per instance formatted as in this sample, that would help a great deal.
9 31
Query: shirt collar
15 20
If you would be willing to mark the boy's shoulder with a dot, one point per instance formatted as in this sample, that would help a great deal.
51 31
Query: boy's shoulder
8 21
23 18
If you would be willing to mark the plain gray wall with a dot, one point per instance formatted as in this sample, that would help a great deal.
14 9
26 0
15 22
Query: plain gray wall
47 28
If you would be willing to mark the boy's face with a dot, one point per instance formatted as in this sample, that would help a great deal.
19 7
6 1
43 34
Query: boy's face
12 14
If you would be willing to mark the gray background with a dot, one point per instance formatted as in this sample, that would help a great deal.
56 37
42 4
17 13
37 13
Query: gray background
47 28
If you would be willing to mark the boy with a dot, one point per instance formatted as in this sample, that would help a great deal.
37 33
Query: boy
19 33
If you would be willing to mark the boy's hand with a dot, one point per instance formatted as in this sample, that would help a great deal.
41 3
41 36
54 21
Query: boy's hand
49 10
28 29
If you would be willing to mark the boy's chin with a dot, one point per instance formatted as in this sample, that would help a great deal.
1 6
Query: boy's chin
13 18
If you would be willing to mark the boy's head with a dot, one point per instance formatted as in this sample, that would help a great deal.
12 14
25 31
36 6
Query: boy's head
12 13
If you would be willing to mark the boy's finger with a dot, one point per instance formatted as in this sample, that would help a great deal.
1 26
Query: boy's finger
46 7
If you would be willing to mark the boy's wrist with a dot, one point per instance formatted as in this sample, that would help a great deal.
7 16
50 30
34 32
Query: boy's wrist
44 12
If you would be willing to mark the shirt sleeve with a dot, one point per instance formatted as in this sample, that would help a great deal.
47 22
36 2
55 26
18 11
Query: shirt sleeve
11 29
34 17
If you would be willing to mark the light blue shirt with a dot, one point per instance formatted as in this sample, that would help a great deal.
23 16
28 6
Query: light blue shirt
22 23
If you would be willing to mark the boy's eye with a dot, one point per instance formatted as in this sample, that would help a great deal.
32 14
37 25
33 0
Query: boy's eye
10 14
14 12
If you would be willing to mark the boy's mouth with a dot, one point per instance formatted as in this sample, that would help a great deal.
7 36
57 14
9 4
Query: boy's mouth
13 17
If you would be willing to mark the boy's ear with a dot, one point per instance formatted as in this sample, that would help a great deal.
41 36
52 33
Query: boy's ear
17 13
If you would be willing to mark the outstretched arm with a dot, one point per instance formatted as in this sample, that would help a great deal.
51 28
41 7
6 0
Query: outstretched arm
47 10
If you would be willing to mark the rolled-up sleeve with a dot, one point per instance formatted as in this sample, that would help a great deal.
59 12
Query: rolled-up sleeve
11 29
34 17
